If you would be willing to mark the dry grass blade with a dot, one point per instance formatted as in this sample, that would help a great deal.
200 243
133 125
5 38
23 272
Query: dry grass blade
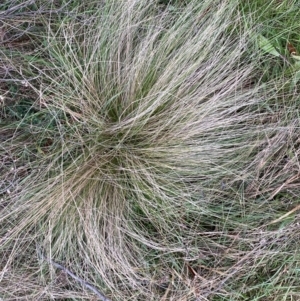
101 296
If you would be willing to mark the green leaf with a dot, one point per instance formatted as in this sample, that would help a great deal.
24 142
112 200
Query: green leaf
267 46
296 78
296 57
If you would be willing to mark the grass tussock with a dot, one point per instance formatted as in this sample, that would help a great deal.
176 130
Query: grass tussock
143 149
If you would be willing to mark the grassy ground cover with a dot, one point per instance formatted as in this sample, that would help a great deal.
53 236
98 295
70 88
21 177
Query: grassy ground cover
149 150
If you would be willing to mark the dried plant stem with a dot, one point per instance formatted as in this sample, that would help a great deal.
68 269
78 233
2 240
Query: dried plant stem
101 296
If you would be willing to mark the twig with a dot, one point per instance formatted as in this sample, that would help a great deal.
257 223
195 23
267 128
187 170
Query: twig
101 296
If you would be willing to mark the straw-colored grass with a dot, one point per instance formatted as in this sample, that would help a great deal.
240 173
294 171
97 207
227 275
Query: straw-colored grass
144 156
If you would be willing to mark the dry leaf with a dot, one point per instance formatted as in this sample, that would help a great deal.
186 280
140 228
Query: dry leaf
292 50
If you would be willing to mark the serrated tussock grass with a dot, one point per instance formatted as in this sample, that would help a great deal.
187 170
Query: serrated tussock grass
145 159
